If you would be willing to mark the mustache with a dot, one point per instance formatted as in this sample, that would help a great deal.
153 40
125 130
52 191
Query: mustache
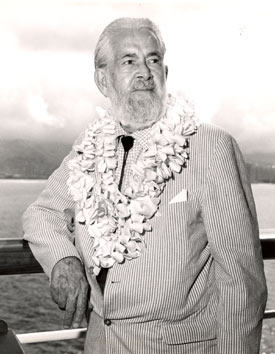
140 84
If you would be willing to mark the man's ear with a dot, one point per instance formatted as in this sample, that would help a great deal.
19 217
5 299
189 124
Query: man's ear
166 71
101 81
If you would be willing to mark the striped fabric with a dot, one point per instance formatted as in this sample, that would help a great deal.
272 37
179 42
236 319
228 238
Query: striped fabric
199 285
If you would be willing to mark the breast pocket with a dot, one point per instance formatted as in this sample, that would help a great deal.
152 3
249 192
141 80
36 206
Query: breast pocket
179 216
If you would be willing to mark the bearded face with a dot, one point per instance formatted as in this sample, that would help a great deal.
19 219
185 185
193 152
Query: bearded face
140 106
136 79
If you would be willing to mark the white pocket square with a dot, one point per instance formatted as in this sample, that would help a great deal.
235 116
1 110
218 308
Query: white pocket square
180 197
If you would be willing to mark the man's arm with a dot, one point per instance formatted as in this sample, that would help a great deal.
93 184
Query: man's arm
45 224
46 228
232 230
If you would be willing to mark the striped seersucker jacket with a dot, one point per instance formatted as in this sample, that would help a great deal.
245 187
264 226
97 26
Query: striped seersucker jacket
199 285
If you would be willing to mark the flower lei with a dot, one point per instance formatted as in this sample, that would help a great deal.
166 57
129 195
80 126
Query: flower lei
117 221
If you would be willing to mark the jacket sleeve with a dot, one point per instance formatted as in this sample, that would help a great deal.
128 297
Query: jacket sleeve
231 224
45 224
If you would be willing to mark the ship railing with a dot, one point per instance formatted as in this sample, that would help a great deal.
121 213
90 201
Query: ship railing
17 258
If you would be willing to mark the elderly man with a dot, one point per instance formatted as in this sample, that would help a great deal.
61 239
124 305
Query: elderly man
161 203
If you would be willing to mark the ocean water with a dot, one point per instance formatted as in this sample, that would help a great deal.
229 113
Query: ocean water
25 302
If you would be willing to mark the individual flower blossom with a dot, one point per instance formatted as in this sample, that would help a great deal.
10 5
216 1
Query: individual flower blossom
175 166
123 211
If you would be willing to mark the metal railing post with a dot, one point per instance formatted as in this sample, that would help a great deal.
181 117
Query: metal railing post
9 343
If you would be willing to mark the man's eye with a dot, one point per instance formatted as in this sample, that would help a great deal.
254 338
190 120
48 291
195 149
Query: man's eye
153 60
128 62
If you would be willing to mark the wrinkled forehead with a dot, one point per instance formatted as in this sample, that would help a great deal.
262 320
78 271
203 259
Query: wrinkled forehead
129 41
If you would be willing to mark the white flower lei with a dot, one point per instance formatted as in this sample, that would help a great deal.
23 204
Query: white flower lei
117 221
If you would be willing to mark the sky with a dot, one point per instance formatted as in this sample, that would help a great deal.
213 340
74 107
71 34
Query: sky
220 55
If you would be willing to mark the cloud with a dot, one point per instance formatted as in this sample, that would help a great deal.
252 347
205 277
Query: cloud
38 110
64 25
45 114
219 55
252 123
55 38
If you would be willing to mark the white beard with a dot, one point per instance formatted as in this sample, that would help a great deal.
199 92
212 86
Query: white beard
137 110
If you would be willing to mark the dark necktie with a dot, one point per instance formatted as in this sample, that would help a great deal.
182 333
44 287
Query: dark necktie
127 143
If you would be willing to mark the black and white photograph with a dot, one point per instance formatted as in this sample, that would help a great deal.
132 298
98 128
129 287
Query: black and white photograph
137 177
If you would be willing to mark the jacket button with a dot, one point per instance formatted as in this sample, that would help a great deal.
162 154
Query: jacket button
107 321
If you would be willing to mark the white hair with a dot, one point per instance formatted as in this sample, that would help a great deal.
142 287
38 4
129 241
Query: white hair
105 39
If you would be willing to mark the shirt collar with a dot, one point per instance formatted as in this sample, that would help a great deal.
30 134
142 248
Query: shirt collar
143 137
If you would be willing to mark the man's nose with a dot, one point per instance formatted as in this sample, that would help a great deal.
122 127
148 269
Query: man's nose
144 72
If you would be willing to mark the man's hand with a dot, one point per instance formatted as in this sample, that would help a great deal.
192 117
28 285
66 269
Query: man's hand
69 289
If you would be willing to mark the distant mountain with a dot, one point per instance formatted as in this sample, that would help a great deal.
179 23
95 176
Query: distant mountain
28 159
262 159
261 167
